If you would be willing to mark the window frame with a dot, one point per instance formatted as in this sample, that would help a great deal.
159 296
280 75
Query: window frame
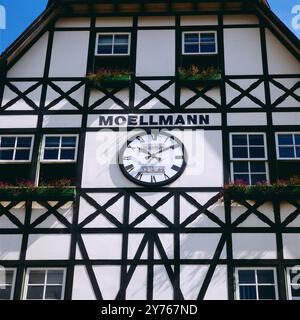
289 283
12 284
199 53
248 146
293 133
248 160
15 148
237 284
25 291
42 160
113 54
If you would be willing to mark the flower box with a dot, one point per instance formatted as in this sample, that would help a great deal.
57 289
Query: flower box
109 79
38 193
262 192
199 77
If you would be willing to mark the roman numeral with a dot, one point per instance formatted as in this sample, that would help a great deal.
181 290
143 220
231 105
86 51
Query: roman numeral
179 157
175 168
153 179
129 168
127 158
166 177
139 175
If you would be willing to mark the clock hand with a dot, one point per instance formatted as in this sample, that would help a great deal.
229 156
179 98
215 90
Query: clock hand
144 151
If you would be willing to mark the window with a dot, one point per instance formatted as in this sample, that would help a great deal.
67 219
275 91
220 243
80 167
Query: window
59 148
256 284
15 148
199 42
7 283
248 158
44 284
288 146
293 282
113 44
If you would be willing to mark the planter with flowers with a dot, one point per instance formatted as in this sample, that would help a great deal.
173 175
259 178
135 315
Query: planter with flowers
26 190
289 189
109 78
197 76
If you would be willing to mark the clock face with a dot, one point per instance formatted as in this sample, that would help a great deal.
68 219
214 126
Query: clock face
153 159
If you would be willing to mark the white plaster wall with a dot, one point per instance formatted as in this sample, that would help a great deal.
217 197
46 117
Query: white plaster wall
156 21
20 104
82 288
32 63
242 51
217 289
291 245
115 210
276 92
69 54
187 209
280 60
97 248
108 103
245 102
247 119
62 121
240 19
199 246
48 246
157 47
254 246
191 280
107 22
13 121
17 211
204 160
155 85
213 93
10 246
51 221
137 287
109 280
162 286
286 118
64 104
286 209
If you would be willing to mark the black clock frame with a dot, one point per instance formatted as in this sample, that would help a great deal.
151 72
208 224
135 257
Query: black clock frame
149 184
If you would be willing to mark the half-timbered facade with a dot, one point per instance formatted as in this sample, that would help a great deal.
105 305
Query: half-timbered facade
222 77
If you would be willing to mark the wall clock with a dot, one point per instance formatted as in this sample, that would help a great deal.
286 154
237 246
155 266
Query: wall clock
153 159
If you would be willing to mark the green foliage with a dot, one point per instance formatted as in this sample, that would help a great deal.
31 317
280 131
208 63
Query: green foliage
108 75
196 73
26 189
281 189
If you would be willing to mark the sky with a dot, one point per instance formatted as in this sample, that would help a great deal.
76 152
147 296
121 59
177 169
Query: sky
20 13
